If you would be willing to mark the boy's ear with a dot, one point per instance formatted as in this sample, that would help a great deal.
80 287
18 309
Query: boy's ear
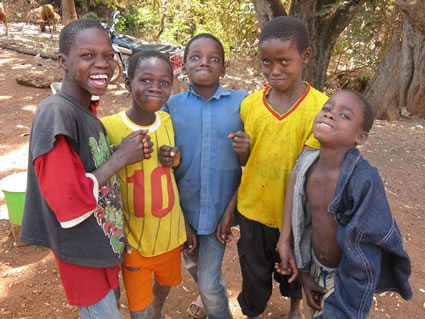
62 61
307 55
184 69
361 137
223 73
127 83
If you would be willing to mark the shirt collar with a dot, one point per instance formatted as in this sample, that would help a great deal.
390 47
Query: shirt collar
218 93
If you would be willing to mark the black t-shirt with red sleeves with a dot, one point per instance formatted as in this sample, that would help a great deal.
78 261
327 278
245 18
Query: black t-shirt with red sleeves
97 241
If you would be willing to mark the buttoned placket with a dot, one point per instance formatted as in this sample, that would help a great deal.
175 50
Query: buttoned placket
205 165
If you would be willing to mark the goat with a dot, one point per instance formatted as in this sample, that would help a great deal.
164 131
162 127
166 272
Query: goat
47 14
56 21
3 16
43 14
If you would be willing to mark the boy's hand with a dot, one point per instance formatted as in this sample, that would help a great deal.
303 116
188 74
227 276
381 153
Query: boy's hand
190 243
240 142
240 145
287 265
224 227
136 147
147 145
312 291
127 247
169 156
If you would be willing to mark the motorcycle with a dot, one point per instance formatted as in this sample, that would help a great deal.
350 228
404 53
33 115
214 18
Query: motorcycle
124 46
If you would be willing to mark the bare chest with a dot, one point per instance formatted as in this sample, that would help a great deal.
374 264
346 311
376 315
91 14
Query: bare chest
320 189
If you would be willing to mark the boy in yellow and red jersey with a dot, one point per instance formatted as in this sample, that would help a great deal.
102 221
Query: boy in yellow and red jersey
154 221
278 126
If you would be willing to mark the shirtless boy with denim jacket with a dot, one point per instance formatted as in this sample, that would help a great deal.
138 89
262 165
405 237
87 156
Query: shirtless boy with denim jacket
346 243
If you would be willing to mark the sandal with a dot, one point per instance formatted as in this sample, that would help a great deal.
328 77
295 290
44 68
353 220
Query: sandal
196 311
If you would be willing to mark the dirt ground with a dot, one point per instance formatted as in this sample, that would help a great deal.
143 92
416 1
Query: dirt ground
30 286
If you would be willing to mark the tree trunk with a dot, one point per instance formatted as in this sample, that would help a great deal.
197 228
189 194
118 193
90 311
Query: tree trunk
325 21
399 81
68 11
267 10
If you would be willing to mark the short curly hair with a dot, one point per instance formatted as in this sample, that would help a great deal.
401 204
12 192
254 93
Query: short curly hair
203 36
140 56
287 28
70 31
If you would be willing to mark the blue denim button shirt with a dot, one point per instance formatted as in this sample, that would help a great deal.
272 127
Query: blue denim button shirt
209 171
373 258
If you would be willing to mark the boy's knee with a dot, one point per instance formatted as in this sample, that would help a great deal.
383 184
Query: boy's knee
142 314
210 288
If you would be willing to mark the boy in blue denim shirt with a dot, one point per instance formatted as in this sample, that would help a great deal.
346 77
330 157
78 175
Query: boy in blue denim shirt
346 243
209 172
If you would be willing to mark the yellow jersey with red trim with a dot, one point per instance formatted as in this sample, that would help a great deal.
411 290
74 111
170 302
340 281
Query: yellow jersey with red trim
276 140
154 221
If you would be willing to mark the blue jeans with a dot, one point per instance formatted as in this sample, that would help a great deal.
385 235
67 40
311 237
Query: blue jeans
107 308
204 264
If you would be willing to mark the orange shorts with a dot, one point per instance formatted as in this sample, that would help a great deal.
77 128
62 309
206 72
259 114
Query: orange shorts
166 270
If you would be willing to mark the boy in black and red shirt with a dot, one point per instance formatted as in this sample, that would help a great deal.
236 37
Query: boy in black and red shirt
73 203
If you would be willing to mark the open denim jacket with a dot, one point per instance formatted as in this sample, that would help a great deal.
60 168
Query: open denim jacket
373 258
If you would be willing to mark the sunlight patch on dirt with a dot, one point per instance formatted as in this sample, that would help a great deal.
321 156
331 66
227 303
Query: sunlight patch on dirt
30 107
16 158
31 37
22 66
5 61
11 272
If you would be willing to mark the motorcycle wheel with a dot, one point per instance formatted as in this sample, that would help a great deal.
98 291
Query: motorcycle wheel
116 77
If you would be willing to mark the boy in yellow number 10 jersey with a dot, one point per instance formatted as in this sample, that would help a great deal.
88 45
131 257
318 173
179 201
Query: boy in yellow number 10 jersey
154 221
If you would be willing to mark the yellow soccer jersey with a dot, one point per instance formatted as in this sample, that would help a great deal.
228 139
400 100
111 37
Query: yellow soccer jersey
276 140
154 221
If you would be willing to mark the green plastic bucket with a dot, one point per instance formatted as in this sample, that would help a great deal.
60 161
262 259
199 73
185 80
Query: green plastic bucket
14 187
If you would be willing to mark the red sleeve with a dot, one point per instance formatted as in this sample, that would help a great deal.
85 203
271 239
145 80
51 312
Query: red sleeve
64 184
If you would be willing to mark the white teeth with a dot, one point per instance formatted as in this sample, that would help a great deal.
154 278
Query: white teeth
98 76
324 124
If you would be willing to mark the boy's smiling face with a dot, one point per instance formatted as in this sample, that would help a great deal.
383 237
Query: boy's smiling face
89 64
204 64
282 63
151 85
340 122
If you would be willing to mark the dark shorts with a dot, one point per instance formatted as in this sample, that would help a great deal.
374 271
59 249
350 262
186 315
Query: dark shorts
257 256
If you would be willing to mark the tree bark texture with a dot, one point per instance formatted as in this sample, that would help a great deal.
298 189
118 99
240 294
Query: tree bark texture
68 11
399 81
267 10
325 21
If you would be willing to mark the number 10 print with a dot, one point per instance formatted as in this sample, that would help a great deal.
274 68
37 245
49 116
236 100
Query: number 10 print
158 177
